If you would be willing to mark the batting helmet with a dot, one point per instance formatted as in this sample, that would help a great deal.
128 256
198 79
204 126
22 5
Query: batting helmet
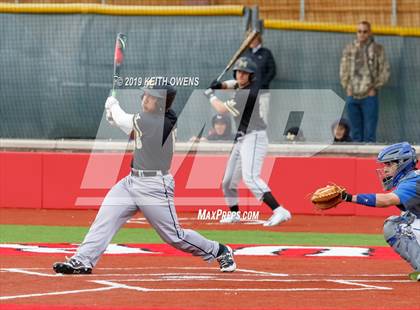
401 153
165 93
245 64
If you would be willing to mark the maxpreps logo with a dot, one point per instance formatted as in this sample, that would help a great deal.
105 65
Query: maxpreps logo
220 214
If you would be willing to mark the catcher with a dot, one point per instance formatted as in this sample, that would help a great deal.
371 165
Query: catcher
398 172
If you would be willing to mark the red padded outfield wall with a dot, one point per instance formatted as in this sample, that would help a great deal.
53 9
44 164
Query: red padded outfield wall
58 181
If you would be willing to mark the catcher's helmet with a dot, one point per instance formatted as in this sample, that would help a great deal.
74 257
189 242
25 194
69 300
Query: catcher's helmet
165 93
401 153
245 64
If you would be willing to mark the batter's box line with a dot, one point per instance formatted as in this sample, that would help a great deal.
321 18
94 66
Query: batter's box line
29 271
210 279
106 288
360 287
217 272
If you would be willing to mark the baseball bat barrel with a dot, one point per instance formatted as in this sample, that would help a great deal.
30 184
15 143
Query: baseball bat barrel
120 46
245 44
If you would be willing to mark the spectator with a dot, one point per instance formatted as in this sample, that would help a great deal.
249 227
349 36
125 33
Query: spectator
363 70
294 134
266 71
221 128
341 131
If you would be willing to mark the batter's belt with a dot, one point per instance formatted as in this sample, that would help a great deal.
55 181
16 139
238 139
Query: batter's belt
148 173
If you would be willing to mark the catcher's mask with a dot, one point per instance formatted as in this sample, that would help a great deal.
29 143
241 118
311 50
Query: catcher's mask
164 93
398 160
247 65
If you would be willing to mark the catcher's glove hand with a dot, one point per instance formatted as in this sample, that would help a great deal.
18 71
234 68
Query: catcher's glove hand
328 197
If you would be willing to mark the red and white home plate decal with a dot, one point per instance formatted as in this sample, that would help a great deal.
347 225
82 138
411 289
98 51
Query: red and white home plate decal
240 250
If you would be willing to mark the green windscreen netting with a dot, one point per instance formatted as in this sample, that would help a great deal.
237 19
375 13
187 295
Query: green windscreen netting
57 70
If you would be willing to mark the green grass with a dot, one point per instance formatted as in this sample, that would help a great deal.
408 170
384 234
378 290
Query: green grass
64 234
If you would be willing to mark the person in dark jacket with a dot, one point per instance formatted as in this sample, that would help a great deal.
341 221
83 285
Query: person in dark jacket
266 71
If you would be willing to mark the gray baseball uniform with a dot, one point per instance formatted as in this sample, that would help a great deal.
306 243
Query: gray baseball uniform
251 142
248 153
149 189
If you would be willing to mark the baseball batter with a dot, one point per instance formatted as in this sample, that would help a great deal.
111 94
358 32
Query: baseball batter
251 142
149 188
402 232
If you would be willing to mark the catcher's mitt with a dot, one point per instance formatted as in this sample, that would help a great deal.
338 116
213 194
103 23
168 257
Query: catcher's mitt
327 197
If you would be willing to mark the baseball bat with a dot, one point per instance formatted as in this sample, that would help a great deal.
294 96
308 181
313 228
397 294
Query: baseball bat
120 46
245 44
252 30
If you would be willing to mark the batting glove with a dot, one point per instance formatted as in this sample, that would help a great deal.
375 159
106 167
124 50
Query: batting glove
216 85
110 101
109 118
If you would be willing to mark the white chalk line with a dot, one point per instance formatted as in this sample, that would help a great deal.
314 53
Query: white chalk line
50 274
216 271
263 272
204 278
152 290
59 293
239 273
27 272
171 277
361 285
356 284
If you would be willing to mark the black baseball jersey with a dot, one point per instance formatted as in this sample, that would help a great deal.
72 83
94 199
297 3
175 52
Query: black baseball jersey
266 66
249 109
154 140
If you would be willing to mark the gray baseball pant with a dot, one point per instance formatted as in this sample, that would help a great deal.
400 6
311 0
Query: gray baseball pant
404 239
245 162
154 197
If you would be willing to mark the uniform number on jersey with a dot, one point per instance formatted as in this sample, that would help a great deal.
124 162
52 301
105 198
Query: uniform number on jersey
137 133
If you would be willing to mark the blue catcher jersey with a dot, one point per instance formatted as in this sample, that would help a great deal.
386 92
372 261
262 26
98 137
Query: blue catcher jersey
408 190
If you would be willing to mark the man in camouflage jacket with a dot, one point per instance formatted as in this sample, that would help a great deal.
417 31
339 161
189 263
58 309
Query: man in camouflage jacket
363 70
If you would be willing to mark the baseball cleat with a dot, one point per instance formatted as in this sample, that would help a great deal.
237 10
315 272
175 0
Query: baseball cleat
280 215
231 218
71 266
226 260
415 276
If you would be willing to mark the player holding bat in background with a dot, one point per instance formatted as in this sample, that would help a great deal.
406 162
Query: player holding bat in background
399 172
251 142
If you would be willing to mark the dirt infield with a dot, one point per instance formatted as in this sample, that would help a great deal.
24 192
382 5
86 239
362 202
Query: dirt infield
187 282
183 282
300 223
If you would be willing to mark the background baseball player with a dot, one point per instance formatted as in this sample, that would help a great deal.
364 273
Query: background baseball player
148 188
251 142
402 232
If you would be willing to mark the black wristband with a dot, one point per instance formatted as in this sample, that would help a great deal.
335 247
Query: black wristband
346 196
